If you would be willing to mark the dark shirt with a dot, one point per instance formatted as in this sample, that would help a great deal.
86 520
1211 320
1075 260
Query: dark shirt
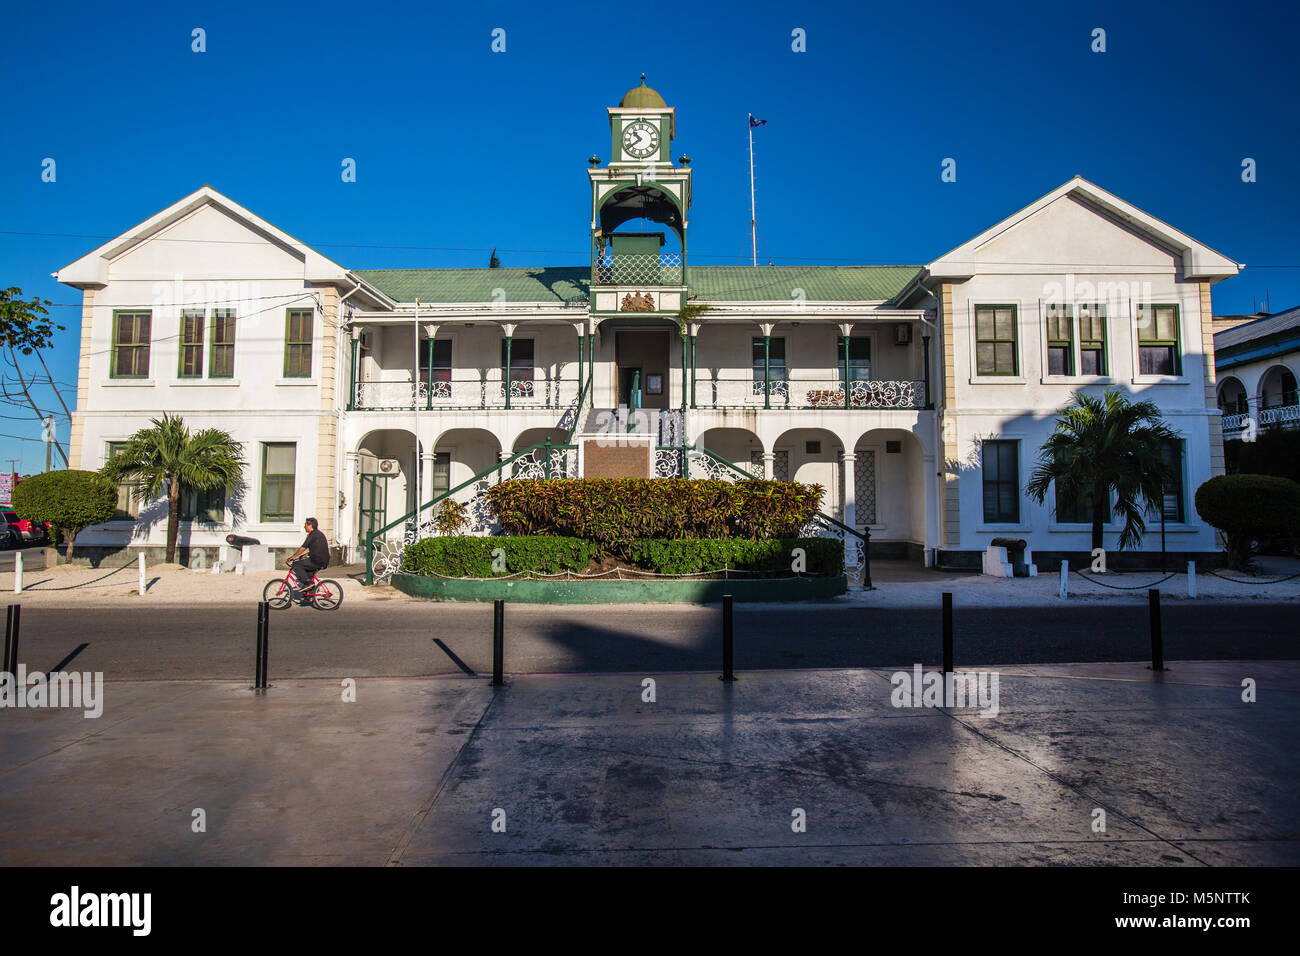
318 548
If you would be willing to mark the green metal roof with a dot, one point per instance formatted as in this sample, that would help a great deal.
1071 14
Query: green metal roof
778 283
562 284
707 283
643 97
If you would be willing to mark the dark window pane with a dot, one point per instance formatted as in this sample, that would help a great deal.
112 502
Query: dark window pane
1058 360
1090 362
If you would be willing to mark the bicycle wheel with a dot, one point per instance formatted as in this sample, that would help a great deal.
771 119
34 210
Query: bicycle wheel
329 595
278 594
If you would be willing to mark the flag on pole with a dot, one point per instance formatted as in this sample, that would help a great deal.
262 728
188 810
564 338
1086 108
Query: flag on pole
753 121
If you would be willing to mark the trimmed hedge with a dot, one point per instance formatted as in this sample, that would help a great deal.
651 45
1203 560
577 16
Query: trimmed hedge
824 556
615 512
1248 506
471 557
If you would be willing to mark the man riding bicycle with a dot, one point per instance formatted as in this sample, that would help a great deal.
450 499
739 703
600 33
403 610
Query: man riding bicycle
313 556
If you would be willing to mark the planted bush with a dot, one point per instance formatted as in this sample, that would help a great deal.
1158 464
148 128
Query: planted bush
822 556
615 512
1249 506
471 557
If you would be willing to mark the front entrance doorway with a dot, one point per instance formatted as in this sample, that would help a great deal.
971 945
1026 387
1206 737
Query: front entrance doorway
372 505
642 360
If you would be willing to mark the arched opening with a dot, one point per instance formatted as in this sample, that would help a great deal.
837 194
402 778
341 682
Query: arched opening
1277 388
459 455
1232 396
888 483
387 462
738 446
814 456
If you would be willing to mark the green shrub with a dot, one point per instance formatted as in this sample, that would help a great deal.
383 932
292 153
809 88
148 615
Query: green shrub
471 557
1249 506
824 556
615 512
451 517
69 500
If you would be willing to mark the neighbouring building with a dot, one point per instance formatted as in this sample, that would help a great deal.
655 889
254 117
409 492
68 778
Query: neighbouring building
918 396
1257 363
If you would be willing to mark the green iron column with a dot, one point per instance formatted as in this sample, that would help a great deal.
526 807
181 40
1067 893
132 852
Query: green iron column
580 338
693 337
767 371
684 385
352 377
508 382
428 385
847 398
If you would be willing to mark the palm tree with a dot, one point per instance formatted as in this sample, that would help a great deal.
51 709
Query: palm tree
1102 444
166 454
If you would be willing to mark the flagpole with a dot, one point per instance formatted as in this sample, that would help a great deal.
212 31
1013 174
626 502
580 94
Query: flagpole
753 221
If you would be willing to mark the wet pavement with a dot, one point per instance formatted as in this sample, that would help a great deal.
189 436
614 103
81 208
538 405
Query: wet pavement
584 769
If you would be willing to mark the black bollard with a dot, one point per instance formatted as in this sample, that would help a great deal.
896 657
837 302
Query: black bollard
12 620
266 643
257 651
1157 634
947 632
498 642
728 641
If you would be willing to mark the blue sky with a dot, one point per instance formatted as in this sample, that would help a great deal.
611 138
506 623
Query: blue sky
460 149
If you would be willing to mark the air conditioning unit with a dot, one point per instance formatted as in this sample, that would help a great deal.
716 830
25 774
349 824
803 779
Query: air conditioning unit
389 466
903 334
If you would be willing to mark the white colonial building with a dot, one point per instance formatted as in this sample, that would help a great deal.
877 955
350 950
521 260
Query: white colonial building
1258 363
918 396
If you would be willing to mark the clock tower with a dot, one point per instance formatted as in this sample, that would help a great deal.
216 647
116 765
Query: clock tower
639 271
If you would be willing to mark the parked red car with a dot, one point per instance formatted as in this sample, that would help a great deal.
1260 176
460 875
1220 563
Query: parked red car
16 531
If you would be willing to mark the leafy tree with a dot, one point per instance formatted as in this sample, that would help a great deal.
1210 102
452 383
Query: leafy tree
1244 507
1105 444
68 500
25 326
166 455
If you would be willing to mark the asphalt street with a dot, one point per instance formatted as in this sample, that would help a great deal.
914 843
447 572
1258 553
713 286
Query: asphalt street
404 639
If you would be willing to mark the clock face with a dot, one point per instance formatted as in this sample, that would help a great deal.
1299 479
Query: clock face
640 139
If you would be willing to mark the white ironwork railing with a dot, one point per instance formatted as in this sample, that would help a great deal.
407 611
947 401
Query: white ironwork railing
746 392
1280 415
466 390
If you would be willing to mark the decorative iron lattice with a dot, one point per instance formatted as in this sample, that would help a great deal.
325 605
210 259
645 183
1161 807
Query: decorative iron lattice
668 462
1280 415
475 392
864 487
639 269
870 394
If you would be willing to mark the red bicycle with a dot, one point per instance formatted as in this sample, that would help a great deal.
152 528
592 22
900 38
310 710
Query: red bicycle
324 595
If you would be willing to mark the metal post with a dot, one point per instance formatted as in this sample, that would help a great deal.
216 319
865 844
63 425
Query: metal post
18 572
266 642
866 559
498 642
1191 579
142 574
581 336
546 450
728 641
947 632
685 385
1157 635
1065 579
12 621
257 651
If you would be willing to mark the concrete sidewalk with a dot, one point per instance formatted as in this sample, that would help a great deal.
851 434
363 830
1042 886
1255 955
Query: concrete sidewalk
581 770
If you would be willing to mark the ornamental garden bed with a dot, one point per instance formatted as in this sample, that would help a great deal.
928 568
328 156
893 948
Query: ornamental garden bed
616 540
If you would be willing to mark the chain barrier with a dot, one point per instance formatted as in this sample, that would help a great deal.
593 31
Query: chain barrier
1223 577
1120 587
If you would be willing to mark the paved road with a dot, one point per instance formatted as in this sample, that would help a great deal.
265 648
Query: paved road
216 642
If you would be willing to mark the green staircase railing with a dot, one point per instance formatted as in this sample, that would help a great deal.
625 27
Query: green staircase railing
547 472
